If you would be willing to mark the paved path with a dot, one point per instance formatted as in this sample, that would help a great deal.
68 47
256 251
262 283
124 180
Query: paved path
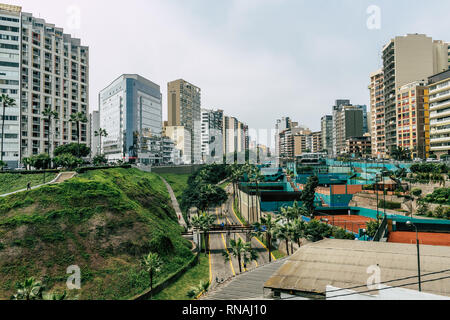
175 204
248 286
59 179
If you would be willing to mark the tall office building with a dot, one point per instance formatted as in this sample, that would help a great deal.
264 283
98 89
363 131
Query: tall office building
184 109
327 134
376 89
212 135
413 119
439 100
40 68
131 113
406 59
347 123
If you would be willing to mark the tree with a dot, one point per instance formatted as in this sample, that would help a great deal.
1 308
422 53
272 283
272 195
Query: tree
101 133
78 118
2 164
316 231
41 161
100 160
267 226
152 264
309 194
194 292
7 102
30 289
204 222
49 114
27 162
297 230
283 234
242 251
74 149
400 154
68 161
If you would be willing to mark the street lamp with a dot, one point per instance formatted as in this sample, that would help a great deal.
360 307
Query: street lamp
364 232
410 224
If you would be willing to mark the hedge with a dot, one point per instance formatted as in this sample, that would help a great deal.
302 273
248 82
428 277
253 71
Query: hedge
86 169
389 205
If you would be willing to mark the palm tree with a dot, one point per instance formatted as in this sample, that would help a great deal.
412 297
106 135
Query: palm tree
27 162
101 133
152 264
49 114
283 234
78 119
268 227
204 222
242 251
297 230
30 289
7 102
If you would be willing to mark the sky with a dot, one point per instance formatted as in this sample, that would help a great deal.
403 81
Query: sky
258 60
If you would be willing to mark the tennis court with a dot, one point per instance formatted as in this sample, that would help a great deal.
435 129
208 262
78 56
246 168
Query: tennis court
432 239
349 223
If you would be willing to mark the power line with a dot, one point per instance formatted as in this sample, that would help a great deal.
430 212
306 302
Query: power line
395 280
399 286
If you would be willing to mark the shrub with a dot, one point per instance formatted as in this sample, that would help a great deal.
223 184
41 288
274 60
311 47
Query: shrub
439 212
422 210
389 205
74 149
416 192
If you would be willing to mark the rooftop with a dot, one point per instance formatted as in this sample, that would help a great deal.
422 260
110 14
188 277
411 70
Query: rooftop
345 263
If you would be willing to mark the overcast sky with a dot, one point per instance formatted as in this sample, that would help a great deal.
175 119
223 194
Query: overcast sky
258 60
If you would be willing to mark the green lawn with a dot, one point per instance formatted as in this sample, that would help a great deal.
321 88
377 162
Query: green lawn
192 278
178 182
13 182
225 185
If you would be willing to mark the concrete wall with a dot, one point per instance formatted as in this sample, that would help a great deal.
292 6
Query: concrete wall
177 169
250 207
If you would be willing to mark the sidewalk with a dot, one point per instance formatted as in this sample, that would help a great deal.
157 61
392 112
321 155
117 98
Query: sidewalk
59 179
175 204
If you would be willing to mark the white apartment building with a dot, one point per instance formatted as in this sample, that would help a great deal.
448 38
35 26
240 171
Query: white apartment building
40 68
182 140
212 136
439 99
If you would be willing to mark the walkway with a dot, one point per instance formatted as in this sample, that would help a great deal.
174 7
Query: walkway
248 286
59 179
175 204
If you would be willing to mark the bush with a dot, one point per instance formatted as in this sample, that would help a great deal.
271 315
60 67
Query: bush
68 161
439 212
416 192
422 210
73 149
389 205
439 196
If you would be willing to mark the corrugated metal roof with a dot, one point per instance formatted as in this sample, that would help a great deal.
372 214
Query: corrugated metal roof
344 264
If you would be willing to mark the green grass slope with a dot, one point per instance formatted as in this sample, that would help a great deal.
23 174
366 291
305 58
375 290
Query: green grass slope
12 182
102 221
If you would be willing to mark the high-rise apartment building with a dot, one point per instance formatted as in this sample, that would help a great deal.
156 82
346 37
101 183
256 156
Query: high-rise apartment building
182 140
327 134
131 113
235 136
413 119
212 136
184 109
406 59
376 88
41 68
439 100
347 123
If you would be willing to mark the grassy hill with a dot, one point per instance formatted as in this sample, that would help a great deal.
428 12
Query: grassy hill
12 182
103 221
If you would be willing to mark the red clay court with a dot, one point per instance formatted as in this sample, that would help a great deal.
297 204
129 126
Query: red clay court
349 223
432 239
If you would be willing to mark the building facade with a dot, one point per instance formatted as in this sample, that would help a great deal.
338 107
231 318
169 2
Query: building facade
347 123
327 134
182 140
94 126
131 113
413 119
406 59
184 109
439 100
212 136
377 111
359 146
41 68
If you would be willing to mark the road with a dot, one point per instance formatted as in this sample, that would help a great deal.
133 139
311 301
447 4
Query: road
220 269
